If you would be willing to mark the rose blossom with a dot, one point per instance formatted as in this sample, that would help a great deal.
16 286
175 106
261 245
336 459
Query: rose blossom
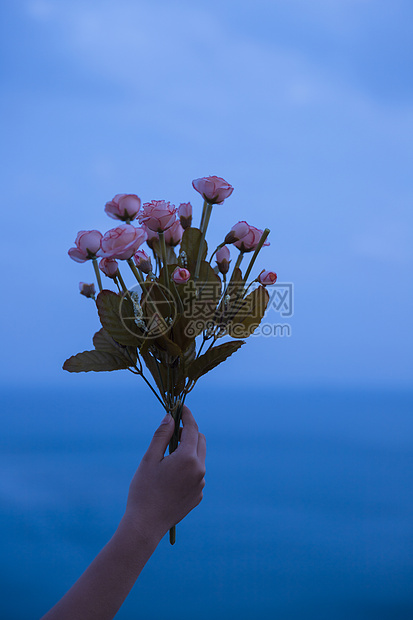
267 277
174 234
180 275
123 207
213 189
157 215
223 260
185 214
88 290
249 242
143 261
121 242
87 244
238 231
109 267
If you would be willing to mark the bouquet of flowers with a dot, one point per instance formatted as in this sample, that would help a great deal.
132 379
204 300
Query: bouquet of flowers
168 327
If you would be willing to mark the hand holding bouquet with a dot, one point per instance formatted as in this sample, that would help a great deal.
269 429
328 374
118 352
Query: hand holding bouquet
168 327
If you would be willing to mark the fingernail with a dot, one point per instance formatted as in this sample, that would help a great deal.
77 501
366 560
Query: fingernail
166 419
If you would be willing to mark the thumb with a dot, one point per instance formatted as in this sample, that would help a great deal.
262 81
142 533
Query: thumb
161 438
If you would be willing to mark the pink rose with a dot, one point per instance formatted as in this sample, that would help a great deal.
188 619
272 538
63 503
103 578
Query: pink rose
142 261
213 189
123 207
88 290
185 214
237 232
109 267
157 215
223 259
180 275
267 277
87 245
121 242
174 234
249 242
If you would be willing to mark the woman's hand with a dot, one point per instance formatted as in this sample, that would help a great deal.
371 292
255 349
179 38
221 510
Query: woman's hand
165 488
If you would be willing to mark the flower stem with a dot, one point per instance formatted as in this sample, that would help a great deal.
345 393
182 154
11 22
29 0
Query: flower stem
164 260
204 227
97 273
150 386
221 305
115 279
135 271
122 283
181 307
257 249
203 214
239 261
173 444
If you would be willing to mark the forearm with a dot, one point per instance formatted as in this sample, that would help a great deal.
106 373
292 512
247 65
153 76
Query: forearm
162 492
100 591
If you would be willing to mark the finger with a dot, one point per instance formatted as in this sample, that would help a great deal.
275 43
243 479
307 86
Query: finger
201 448
189 436
161 439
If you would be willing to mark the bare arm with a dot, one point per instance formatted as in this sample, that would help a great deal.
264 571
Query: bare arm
162 492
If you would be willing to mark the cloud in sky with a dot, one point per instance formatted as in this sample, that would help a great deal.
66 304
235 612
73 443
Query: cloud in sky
197 61
186 49
303 107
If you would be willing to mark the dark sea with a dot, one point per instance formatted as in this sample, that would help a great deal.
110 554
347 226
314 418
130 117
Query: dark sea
307 510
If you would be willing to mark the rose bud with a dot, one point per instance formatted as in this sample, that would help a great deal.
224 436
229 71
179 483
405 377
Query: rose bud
123 207
237 232
87 245
151 236
142 261
213 189
180 275
109 267
185 214
267 277
121 242
157 215
174 234
249 242
88 290
222 259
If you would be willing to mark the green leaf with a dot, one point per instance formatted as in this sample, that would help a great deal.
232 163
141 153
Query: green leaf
236 283
157 370
211 358
248 313
102 341
163 343
191 240
97 361
118 319
156 300
188 356
170 252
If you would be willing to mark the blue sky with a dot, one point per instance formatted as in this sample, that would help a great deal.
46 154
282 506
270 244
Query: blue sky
305 107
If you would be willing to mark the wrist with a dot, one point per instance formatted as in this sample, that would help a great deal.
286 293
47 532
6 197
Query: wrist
134 532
